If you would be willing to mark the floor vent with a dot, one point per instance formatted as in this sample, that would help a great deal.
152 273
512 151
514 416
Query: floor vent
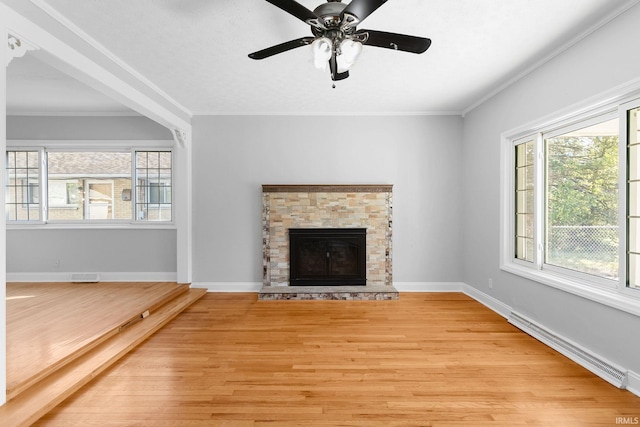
603 369
85 277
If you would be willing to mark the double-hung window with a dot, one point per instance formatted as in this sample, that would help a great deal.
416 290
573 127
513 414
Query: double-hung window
49 185
571 202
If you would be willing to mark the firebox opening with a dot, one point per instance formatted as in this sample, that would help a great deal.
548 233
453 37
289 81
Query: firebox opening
327 256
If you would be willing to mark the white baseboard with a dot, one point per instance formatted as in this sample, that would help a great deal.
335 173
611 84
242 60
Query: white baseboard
487 300
633 383
594 362
429 286
104 277
228 286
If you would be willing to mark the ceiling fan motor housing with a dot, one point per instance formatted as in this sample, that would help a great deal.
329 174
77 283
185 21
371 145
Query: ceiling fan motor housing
329 10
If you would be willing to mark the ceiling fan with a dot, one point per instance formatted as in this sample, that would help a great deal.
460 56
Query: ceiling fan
336 40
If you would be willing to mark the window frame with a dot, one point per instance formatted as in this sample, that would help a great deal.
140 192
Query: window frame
45 146
623 109
42 185
614 293
134 183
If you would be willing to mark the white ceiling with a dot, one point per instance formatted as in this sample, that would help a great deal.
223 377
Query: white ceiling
196 51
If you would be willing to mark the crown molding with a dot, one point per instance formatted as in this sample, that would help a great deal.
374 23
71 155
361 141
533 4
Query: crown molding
564 47
65 22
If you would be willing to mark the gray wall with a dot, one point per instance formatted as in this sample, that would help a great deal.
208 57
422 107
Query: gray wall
234 155
84 128
600 62
89 250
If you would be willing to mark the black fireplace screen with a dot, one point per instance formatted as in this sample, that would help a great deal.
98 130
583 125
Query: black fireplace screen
327 256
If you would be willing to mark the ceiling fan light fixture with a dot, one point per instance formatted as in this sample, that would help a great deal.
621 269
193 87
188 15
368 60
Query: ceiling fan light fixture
335 39
322 49
349 52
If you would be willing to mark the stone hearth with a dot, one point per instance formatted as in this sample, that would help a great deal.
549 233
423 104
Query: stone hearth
327 206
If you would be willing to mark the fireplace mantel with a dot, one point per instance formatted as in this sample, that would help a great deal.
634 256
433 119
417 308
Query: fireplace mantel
367 206
328 188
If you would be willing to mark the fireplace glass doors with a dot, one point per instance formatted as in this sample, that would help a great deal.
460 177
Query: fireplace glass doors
327 256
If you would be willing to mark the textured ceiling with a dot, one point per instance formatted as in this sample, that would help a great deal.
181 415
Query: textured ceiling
196 51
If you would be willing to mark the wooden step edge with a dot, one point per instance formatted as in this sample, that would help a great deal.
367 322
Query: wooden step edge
169 296
35 402
15 390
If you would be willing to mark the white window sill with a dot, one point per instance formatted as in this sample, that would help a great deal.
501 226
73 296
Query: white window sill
625 301
93 226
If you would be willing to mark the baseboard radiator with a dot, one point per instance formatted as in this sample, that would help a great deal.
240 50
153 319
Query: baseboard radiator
602 368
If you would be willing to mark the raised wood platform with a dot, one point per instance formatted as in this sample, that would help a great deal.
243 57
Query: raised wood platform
61 335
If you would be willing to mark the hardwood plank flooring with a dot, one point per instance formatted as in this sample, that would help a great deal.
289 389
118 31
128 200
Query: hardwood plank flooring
50 323
424 360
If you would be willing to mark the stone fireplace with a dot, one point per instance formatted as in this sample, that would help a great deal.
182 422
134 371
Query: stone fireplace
326 207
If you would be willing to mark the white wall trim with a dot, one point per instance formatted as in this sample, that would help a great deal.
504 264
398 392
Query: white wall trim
65 22
104 277
562 48
633 382
67 59
589 360
580 355
488 301
228 286
429 286
330 114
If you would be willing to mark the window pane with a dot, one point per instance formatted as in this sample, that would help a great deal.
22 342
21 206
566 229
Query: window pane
22 186
582 200
89 186
524 175
633 200
634 270
153 186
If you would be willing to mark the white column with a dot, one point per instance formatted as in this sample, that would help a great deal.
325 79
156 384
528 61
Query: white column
3 233
183 202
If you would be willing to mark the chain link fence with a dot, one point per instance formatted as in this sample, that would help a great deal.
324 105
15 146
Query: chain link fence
589 249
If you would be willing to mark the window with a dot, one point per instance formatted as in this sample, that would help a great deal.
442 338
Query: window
581 218
62 193
88 186
633 205
524 153
22 188
153 188
82 185
571 203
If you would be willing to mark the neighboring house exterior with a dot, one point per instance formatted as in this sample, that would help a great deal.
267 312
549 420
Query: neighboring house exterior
89 186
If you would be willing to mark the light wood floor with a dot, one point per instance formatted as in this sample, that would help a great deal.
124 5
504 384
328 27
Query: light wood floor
48 323
424 360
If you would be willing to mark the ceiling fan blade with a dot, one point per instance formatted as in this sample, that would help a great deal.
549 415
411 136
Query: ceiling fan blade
395 41
333 66
282 47
294 8
361 8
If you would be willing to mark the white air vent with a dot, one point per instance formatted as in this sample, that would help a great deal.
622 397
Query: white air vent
85 277
602 368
